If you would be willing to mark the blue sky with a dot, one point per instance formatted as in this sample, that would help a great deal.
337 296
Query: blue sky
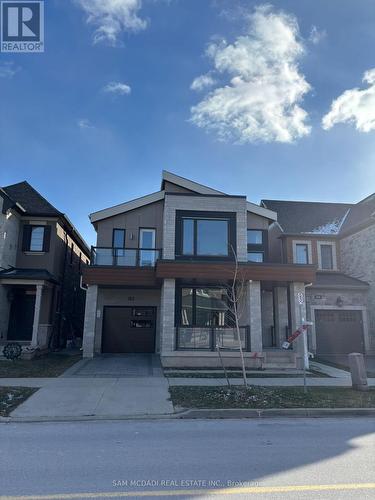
85 148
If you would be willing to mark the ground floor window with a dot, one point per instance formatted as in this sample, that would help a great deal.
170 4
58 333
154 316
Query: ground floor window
204 319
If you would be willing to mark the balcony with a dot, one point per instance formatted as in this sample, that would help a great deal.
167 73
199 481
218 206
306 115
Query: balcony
124 257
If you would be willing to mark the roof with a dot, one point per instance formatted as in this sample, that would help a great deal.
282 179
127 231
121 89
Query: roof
31 201
159 195
361 213
338 280
27 274
309 217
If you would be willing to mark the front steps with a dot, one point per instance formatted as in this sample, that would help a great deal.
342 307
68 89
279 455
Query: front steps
279 359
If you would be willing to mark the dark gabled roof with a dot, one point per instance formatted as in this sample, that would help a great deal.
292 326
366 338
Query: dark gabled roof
360 214
308 217
27 274
30 200
32 203
338 280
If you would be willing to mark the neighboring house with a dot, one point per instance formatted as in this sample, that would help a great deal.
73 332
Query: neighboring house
158 276
339 239
41 259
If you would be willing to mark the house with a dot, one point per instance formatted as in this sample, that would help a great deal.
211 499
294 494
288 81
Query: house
338 239
159 273
41 260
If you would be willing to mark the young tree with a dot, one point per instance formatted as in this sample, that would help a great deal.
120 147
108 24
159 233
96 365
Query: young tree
236 297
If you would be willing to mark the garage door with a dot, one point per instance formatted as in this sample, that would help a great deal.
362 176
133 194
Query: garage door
129 329
338 332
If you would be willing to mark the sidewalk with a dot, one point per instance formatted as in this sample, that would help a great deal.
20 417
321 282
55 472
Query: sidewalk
267 382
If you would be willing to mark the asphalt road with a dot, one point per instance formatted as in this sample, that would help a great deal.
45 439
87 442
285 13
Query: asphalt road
262 459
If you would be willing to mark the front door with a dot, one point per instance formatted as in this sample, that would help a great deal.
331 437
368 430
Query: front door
21 316
129 329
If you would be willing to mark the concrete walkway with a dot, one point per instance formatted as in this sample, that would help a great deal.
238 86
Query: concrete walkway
268 382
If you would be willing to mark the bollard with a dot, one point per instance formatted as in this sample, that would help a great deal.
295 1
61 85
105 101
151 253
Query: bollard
358 371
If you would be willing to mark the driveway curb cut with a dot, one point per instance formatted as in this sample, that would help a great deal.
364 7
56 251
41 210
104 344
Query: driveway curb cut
236 413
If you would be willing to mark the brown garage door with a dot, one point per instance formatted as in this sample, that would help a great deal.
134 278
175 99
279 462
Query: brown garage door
129 329
338 332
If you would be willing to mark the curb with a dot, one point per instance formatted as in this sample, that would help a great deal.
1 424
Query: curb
203 414
276 412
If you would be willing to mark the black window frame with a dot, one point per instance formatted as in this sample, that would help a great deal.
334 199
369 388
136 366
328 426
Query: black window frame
195 287
27 235
258 247
123 230
196 215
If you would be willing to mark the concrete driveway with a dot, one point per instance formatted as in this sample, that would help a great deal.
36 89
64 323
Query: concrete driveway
106 387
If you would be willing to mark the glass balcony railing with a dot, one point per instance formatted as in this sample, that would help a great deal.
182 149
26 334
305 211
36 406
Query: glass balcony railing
128 257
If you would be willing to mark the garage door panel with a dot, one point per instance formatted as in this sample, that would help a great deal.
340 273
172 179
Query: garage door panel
129 330
338 332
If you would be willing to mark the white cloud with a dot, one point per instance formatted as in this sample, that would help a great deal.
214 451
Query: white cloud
202 82
354 106
84 123
117 88
260 102
111 17
8 69
317 36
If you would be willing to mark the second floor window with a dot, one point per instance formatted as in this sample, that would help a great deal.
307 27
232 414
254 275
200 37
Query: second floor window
204 236
118 238
302 253
256 245
36 238
326 256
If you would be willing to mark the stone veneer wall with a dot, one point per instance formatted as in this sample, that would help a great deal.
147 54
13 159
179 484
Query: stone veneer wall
358 260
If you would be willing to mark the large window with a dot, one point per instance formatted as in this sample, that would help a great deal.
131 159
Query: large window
326 256
302 253
205 235
204 307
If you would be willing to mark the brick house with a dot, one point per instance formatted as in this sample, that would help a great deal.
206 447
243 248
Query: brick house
159 273
339 240
41 260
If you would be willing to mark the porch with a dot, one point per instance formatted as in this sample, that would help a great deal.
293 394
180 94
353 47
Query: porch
27 299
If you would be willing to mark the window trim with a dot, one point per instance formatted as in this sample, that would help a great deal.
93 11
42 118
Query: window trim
27 235
255 261
332 244
309 251
231 218
153 229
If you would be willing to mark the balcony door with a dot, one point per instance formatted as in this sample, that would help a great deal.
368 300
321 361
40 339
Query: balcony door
147 240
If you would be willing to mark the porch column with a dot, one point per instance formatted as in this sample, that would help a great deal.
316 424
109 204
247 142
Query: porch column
167 313
280 294
255 313
37 308
298 315
90 321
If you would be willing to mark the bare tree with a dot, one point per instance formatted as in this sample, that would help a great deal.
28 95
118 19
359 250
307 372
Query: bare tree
236 295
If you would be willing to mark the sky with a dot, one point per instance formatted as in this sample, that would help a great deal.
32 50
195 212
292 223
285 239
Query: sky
274 101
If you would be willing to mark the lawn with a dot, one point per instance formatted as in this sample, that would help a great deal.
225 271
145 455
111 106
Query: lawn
11 397
51 365
270 397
